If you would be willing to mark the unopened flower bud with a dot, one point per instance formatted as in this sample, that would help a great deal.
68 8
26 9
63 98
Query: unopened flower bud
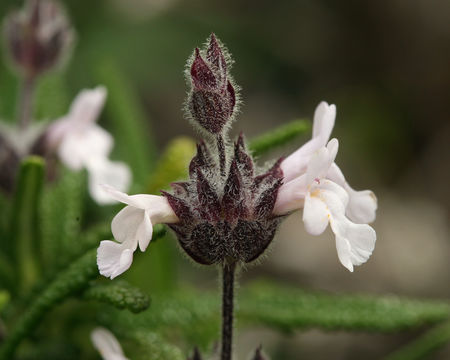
212 100
37 36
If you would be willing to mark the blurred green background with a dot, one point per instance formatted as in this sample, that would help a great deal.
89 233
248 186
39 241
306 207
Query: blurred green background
385 64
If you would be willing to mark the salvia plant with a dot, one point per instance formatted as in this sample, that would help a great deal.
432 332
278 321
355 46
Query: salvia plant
223 207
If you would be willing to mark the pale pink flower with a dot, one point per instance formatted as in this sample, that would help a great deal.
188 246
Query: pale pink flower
131 227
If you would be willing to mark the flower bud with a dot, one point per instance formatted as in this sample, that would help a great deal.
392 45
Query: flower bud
259 355
38 36
212 100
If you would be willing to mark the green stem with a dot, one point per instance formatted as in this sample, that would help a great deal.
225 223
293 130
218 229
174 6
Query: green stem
26 96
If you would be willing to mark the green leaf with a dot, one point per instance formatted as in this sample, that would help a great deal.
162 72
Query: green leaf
288 309
61 217
194 317
68 283
25 232
119 294
152 346
278 137
427 344
128 119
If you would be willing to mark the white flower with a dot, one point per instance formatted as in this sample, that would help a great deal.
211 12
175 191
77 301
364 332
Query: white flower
131 227
362 204
107 345
81 143
325 202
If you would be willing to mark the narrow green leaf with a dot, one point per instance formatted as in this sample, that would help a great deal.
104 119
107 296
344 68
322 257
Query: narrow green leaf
128 119
68 283
278 137
119 294
426 345
61 216
153 346
288 309
25 232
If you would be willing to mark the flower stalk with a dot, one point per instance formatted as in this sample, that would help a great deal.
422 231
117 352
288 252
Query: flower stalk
26 97
228 277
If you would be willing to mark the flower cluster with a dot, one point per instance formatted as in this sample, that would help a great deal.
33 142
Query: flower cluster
37 37
229 209
81 144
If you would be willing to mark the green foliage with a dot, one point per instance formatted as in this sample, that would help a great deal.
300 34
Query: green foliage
278 137
173 164
152 344
119 294
194 316
134 145
61 217
52 99
424 346
25 233
289 309
68 283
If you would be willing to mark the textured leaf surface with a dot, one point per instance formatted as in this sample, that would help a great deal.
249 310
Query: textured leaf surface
119 294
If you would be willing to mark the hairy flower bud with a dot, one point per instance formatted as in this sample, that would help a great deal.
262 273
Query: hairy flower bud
212 100
37 36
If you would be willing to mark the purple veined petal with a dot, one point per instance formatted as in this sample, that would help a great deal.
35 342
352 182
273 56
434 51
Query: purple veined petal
107 345
321 161
114 258
362 204
291 196
103 171
324 118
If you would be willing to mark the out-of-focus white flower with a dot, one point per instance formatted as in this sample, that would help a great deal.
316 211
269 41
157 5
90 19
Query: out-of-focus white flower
81 143
107 345
362 205
131 227
325 202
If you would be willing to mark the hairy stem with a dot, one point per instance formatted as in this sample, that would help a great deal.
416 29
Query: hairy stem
26 101
222 154
227 309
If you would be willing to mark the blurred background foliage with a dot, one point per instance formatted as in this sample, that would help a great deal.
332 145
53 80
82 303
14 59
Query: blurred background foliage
386 66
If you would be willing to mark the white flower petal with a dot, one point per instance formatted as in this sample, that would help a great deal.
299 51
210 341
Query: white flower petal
321 161
144 232
362 205
315 214
87 106
107 345
105 171
126 225
114 258
327 201
77 148
290 196
324 118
